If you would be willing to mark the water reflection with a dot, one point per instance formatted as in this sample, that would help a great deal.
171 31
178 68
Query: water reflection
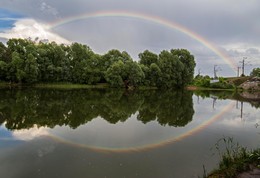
23 109
239 97
142 133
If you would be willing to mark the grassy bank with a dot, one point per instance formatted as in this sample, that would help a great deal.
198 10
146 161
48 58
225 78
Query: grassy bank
69 86
235 159
55 85
194 88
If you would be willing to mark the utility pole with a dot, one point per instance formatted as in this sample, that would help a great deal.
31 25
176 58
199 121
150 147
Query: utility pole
238 68
243 66
214 102
215 71
241 110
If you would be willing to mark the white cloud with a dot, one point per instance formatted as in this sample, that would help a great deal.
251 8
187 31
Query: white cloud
30 134
29 28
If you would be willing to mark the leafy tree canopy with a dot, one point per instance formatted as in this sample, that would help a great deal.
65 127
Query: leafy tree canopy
25 61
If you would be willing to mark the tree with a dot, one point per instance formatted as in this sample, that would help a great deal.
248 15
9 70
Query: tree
29 61
155 75
188 61
31 69
3 70
172 69
79 53
202 81
133 74
17 68
115 74
5 54
255 72
147 58
92 72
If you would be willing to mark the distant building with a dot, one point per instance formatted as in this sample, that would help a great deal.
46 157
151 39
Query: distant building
214 80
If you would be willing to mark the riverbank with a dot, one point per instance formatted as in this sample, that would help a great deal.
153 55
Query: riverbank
196 88
54 85
236 161
68 86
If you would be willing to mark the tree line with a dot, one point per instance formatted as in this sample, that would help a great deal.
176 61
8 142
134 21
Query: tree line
26 62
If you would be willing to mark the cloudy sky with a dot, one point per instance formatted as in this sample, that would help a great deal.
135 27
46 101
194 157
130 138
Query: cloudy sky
216 32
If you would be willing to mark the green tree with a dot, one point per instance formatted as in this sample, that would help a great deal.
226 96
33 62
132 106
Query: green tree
79 53
146 71
172 69
202 81
115 74
147 58
5 54
188 61
92 73
31 69
3 70
17 68
255 72
133 74
155 75
108 59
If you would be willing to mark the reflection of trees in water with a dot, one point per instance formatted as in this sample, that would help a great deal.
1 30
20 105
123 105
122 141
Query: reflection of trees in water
227 95
21 109
174 108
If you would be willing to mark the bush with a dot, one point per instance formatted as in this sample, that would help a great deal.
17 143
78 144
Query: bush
202 81
222 85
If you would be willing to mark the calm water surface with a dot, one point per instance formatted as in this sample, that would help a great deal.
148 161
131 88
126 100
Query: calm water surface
113 133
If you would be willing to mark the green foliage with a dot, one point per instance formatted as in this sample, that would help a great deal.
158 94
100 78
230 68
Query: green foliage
221 85
147 58
25 61
255 72
189 64
17 66
133 74
31 69
115 74
202 81
172 69
155 75
3 70
234 158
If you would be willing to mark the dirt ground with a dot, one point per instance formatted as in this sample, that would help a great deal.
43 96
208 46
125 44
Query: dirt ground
253 173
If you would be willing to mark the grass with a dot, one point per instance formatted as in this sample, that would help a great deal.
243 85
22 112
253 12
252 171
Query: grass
234 159
69 86
58 85
193 87
237 80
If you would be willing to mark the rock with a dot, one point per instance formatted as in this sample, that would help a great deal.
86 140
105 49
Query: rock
252 84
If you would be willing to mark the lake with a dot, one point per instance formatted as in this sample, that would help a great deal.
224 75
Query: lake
117 133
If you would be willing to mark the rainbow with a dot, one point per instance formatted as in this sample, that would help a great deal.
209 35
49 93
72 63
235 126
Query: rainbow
193 131
153 19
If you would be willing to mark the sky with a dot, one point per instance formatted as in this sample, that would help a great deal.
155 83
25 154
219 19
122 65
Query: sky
218 33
